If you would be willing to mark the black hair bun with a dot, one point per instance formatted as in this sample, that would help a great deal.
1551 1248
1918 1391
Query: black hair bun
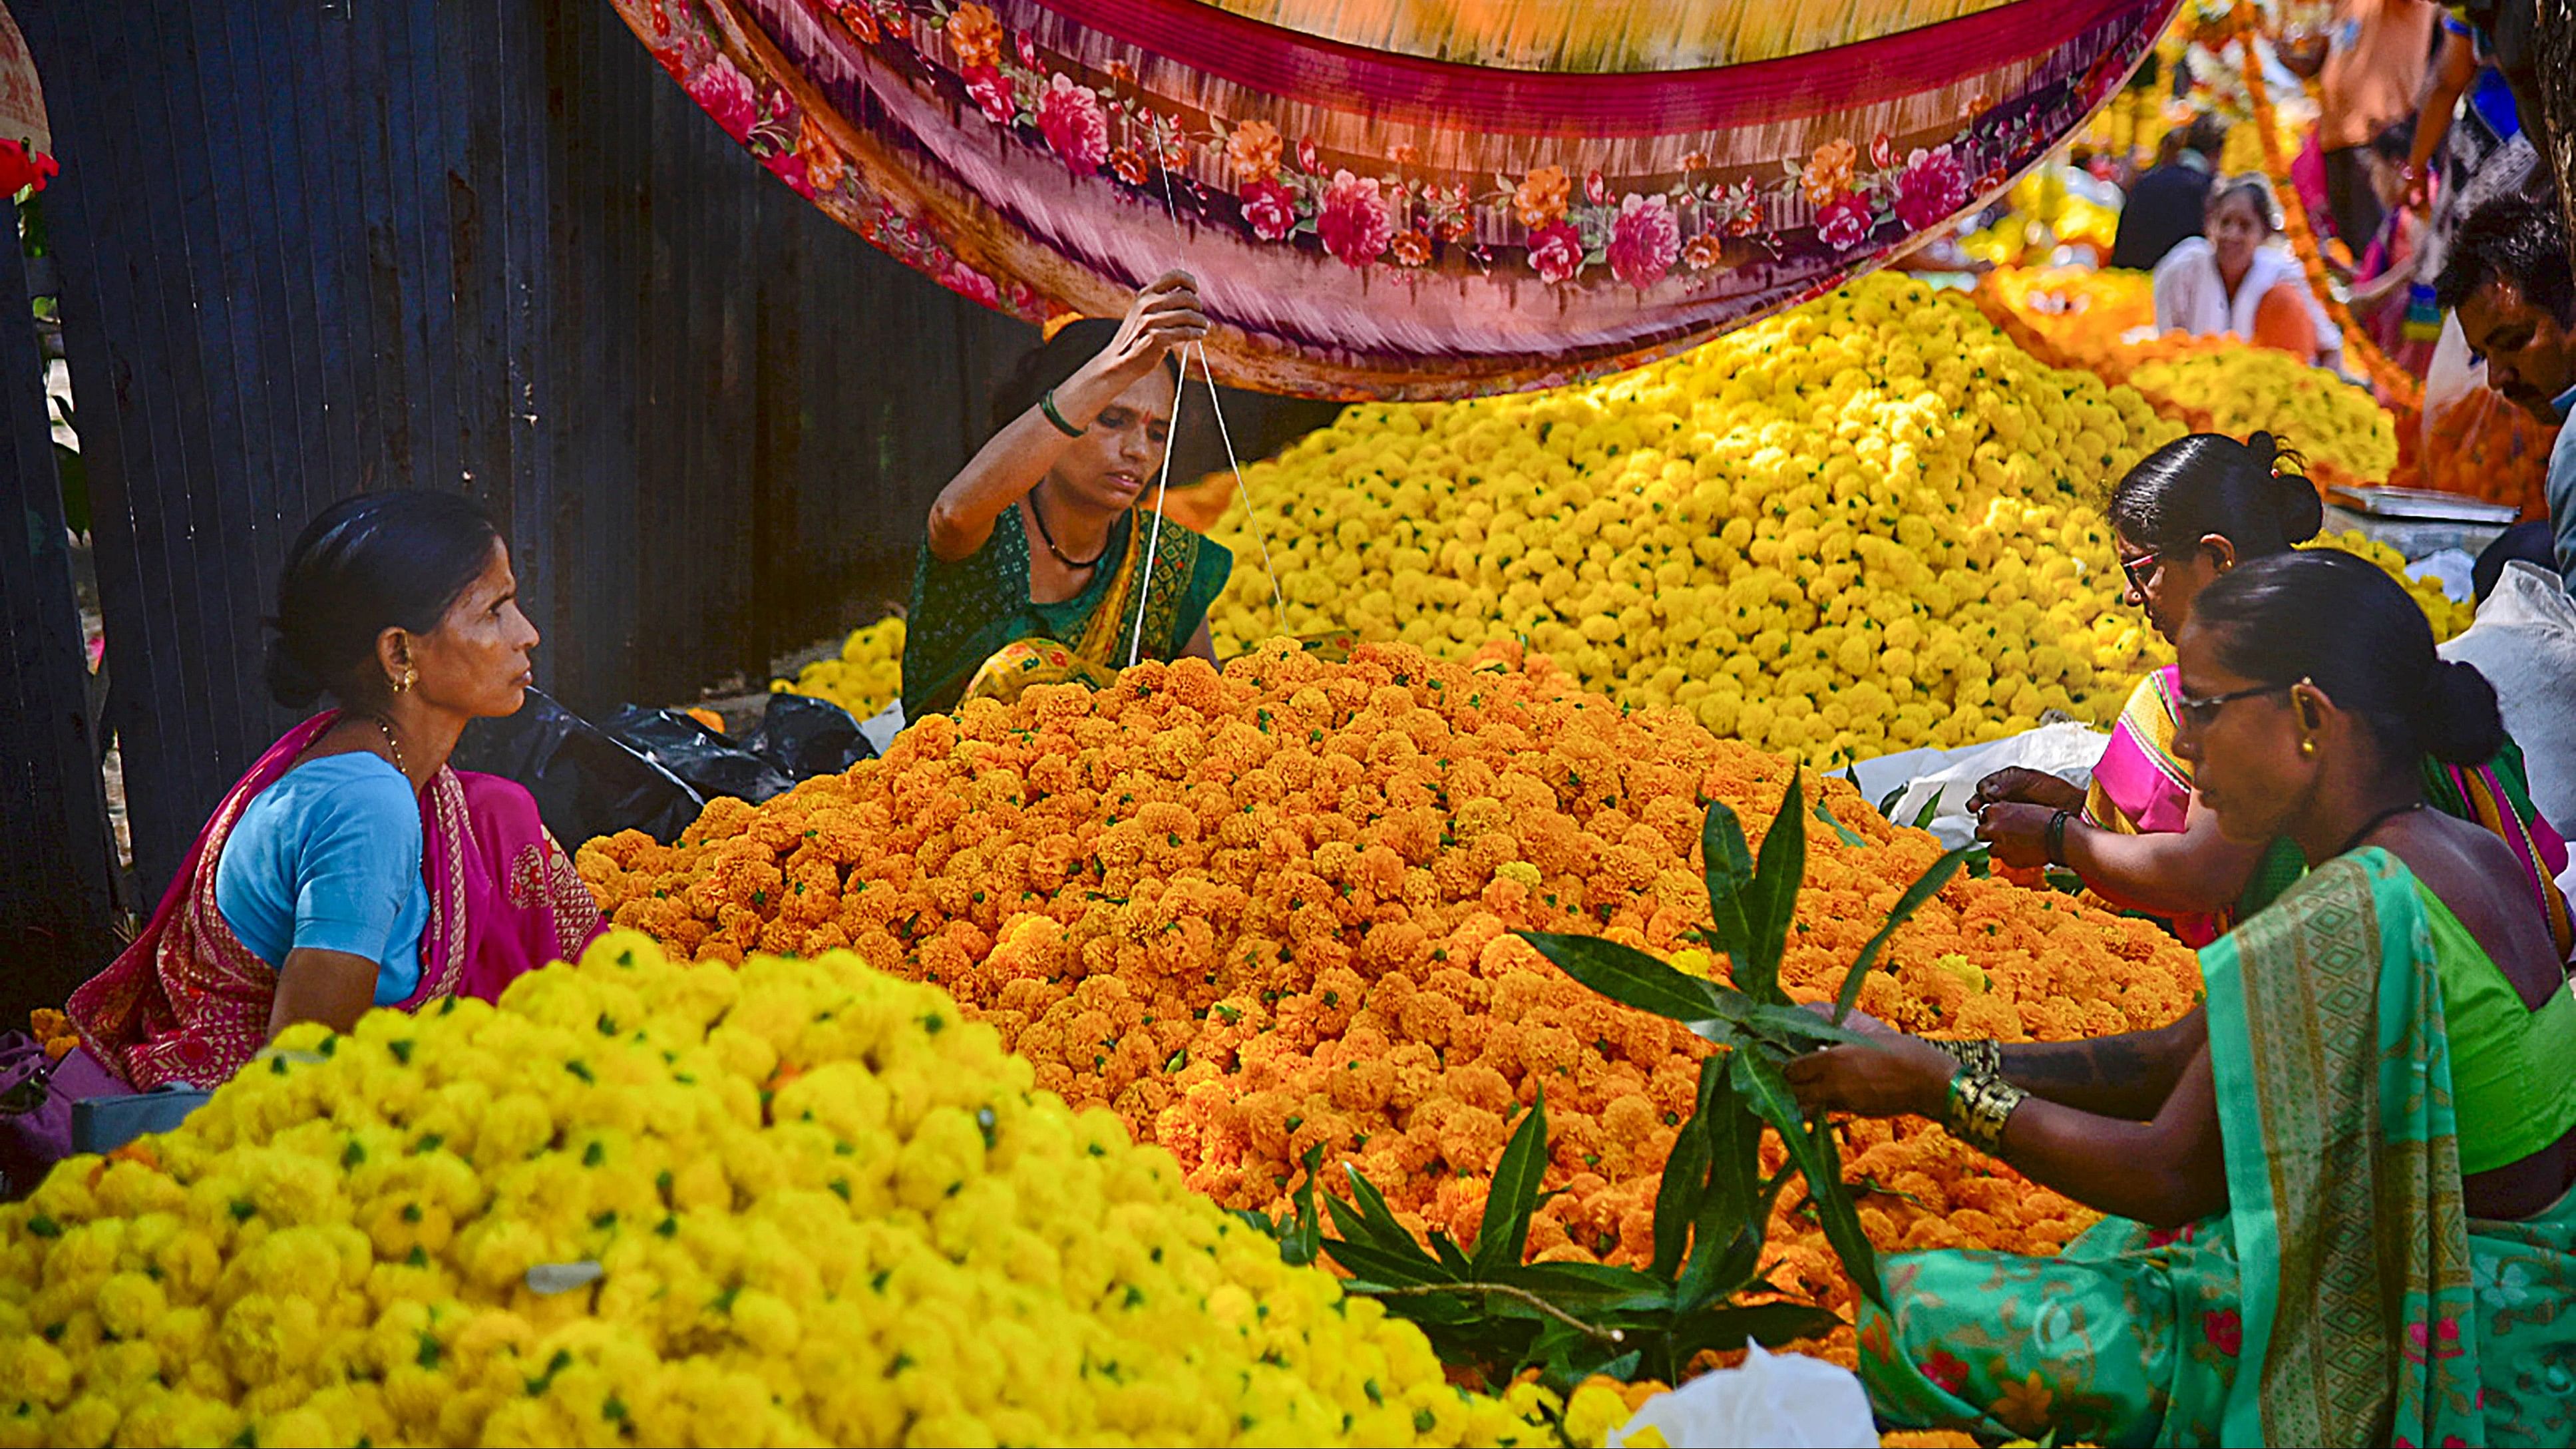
2294 497
2458 721
290 683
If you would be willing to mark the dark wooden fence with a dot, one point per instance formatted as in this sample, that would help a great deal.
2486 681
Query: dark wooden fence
310 247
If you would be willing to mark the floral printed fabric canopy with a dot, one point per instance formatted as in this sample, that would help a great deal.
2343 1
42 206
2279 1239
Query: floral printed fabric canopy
1402 198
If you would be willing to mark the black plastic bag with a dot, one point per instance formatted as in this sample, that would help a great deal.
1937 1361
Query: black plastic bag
804 737
587 782
711 763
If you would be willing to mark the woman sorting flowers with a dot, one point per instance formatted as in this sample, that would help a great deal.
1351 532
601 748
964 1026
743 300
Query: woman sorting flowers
2189 514
2230 281
1039 567
352 867
2340 1192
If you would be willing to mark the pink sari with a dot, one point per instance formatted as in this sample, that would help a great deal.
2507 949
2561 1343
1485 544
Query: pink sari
188 1002
2142 787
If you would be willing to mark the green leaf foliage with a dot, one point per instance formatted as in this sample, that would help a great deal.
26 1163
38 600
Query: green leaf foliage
1924 888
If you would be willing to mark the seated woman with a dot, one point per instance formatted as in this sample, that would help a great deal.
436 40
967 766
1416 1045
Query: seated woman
351 867
2229 281
1082 425
2341 1190
2190 513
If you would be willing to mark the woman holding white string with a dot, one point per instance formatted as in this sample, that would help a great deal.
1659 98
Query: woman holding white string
1039 568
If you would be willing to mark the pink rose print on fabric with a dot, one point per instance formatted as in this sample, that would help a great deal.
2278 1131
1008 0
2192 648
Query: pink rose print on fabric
789 166
1353 222
994 93
1309 158
965 281
1270 209
1845 224
1596 188
1556 251
1882 150
1069 117
1028 51
1945 1369
2432 1342
725 94
2224 1328
1933 187
1645 238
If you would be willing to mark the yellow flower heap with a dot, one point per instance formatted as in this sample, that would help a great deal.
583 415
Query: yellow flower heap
2346 436
1862 525
865 677
664 1204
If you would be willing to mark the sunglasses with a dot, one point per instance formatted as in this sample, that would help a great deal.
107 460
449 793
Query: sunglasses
2141 569
2198 714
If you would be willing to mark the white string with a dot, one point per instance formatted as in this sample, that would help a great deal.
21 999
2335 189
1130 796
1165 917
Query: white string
1243 490
1153 541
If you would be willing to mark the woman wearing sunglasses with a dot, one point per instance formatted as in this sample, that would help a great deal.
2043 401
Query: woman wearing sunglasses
2339 1191
2187 516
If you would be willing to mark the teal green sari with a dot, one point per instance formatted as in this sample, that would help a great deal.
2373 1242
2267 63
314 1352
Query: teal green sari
2343 1298
972 627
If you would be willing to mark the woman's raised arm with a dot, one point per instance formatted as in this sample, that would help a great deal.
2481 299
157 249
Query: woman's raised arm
1165 315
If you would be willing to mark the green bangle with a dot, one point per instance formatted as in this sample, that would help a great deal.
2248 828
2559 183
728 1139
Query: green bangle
1047 406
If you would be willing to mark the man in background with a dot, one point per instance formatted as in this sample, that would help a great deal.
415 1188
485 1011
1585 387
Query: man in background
2508 280
2372 76
2167 203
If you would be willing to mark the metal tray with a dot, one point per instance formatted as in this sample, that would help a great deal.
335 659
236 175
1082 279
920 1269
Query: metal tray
2424 504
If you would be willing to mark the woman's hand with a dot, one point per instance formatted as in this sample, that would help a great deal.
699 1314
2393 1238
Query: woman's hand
2018 833
1891 1077
1166 314
2015 785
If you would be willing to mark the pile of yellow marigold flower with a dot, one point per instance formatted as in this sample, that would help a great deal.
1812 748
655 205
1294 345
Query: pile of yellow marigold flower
865 677
1269 909
2346 436
1865 524
643 1202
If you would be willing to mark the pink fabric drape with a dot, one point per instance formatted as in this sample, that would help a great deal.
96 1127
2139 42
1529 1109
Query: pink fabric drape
188 1002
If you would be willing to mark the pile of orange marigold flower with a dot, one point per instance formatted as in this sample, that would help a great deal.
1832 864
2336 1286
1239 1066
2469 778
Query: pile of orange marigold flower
1270 909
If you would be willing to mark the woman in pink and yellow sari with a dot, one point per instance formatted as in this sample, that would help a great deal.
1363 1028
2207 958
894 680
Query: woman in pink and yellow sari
2189 514
352 867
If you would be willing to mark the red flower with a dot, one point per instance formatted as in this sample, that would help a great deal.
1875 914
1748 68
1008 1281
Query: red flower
1749 216
1070 118
1309 159
994 93
1129 166
965 281
1932 189
1945 1369
1882 150
860 21
1556 251
789 166
1353 221
1596 188
2224 1329
1990 181
898 21
725 94
1121 71
1704 252
2433 1342
20 169
1028 50
1404 153
1457 226
1845 224
1644 240
1411 248
1270 208
1694 160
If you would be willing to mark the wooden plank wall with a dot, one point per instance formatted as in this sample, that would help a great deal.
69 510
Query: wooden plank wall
310 247
56 861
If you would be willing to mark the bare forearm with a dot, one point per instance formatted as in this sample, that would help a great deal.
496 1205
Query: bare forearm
2128 1076
2128 1169
2179 873
1012 462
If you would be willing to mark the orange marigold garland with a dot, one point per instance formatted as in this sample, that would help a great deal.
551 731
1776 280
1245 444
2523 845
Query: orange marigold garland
1269 909
2393 383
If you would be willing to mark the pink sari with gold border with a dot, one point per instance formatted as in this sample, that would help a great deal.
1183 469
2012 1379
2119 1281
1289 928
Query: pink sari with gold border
188 1002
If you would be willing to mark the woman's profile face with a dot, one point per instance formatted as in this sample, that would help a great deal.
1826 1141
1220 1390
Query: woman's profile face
2236 229
1121 455
2244 752
476 662
2164 582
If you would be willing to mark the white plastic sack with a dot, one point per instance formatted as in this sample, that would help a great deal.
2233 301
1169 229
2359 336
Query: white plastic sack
2451 568
1786 1400
2524 642
2068 751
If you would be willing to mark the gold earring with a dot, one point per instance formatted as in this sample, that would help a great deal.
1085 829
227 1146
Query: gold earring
2308 747
404 684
